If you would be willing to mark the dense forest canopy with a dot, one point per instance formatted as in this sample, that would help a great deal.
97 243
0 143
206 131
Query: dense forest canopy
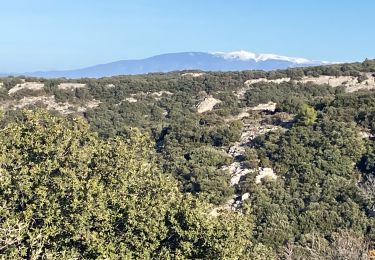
212 165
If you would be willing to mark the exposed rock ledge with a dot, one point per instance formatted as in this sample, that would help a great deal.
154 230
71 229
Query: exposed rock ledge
351 83
193 74
207 104
26 85
51 104
267 173
131 100
65 86
270 106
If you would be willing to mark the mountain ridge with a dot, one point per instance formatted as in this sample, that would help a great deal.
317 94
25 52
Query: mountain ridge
205 61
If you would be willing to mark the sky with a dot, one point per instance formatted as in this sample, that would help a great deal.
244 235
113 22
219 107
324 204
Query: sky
69 34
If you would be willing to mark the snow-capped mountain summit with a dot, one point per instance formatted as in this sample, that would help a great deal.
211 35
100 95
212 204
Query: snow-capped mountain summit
206 61
247 56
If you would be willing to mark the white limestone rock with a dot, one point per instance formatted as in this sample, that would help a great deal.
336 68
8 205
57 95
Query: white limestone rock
265 173
26 85
207 104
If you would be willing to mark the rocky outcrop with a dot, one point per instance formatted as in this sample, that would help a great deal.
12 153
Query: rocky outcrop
90 104
277 81
71 86
192 74
161 93
265 173
158 95
251 129
26 85
351 83
365 134
237 172
207 104
270 106
329 80
245 196
51 104
131 100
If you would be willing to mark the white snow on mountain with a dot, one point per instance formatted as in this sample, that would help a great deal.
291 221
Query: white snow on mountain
246 56
204 61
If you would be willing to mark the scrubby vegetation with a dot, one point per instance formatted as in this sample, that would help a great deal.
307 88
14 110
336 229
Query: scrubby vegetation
139 174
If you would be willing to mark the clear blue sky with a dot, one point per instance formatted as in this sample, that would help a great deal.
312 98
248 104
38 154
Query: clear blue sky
67 34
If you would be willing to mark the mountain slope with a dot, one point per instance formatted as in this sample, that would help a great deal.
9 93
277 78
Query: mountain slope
219 61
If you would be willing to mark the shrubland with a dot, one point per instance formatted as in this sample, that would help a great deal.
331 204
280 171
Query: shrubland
139 178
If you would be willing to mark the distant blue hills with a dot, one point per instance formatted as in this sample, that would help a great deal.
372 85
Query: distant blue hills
219 61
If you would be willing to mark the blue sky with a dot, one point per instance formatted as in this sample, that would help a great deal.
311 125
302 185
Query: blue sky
51 34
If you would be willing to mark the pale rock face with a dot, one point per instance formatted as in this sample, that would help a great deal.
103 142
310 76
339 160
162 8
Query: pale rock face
1 84
229 205
270 106
236 178
26 85
52 104
252 131
91 104
351 83
49 101
240 94
192 74
131 100
207 104
242 115
65 86
158 95
329 80
236 169
236 172
110 85
155 95
365 135
367 84
277 81
245 196
265 173
236 149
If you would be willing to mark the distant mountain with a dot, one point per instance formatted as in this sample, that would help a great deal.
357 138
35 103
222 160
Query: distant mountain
216 61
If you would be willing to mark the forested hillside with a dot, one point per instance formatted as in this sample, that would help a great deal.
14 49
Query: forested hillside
182 165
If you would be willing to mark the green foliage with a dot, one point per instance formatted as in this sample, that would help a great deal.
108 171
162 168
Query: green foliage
251 158
206 155
306 115
318 190
264 92
341 245
67 194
